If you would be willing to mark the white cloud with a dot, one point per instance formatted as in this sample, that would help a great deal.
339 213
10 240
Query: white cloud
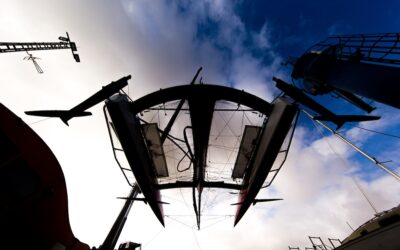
157 44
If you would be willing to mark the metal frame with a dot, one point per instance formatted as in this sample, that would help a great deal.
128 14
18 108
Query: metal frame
64 43
286 151
201 101
115 149
115 231
383 48
322 246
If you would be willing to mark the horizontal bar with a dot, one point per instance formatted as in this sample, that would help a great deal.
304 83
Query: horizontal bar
190 184
186 109
17 47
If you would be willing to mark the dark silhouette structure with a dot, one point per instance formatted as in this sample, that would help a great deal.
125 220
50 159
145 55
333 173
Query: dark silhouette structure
112 237
64 43
208 112
30 57
325 114
33 194
79 110
197 108
367 65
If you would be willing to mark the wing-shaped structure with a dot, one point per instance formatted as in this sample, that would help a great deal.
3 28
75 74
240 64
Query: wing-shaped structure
214 137
80 109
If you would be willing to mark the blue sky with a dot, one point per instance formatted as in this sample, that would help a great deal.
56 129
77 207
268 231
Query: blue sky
240 44
291 27
297 24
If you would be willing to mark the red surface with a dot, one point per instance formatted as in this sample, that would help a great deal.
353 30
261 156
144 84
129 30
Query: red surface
39 219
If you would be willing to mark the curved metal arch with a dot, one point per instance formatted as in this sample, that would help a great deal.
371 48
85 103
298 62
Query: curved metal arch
213 92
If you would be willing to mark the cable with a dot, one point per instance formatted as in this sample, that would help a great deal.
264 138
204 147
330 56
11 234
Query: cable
183 170
156 235
219 221
371 158
345 163
42 120
195 239
377 132
227 123
187 141
180 222
176 144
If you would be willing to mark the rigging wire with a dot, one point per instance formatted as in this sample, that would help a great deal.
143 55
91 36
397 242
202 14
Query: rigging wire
205 202
195 239
156 235
227 123
371 158
345 164
184 200
229 157
214 201
176 144
377 132
219 221
174 137
205 215
42 120
180 222
247 117
191 157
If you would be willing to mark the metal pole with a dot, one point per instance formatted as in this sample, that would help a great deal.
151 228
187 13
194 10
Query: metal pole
113 236
371 158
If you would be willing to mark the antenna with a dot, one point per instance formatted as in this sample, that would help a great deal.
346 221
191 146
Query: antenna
33 59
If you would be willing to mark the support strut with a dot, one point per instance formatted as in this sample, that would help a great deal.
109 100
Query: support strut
113 236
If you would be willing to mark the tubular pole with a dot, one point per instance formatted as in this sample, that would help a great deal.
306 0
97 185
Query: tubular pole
113 236
371 158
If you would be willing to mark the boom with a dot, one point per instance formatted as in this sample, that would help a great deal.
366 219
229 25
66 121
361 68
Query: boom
64 43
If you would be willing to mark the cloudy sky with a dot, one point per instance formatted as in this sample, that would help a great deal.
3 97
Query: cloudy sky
239 44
